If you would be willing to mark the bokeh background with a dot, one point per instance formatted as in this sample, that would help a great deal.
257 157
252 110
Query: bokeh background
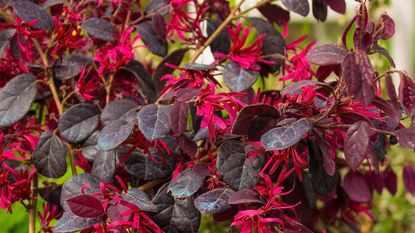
394 214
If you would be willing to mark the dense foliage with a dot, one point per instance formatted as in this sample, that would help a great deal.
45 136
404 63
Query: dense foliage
152 145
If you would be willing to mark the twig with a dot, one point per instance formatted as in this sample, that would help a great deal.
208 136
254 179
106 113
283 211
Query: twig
33 206
151 184
215 34
332 126
108 88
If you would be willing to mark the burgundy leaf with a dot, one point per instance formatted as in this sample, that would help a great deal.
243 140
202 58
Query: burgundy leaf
390 180
406 137
409 178
174 58
178 117
72 223
359 76
214 201
337 5
382 51
356 187
391 90
283 137
356 144
385 28
296 87
327 54
222 42
274 13
300 7
159 25
29 11
375 181
244 196
407 95
254 120
85 206
186 184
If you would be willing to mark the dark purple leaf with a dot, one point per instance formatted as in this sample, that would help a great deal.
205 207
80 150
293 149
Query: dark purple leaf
115 212
238 170
222 42
319 10
337 5
390 180
187 145
16 97
121 109
296 87
49 155
201 169
237 78
321 182
163 199
5 37
186 184
89 147
99 28
140 199
406 137
29 11
254 120
274 13
407 95
156 44
79 184
174 58
214 201
382 51
359 76
159 25
149 168
283 137
300 7
70 66
273 45
50 3
356 144
78 122
113 134
244 196
104 165
375 181
180 216
143 77
356 187
72 223
385 28
393 115
85 206
178 117
409 178
153 121
379 147
327 54
157 6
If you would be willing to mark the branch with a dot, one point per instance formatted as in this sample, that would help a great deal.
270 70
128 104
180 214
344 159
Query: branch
151 184
33 206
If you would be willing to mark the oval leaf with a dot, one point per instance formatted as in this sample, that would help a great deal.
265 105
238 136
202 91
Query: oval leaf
16 97
356 144
178 117
99 28
328 54
72 223
49 156
186 184
214 201
301 7
104 165
283 137
72 187
85 206
156 44
114 134
356 187
237 78
174 58
29 11
78 122
153 121
244 196
409 178
118 110
140 199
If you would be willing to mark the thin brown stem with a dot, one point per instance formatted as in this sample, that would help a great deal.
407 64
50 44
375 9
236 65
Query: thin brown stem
33 205
215 34
346 126
108 88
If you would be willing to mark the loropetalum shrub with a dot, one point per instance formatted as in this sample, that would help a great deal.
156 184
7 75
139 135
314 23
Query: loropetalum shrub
152 145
